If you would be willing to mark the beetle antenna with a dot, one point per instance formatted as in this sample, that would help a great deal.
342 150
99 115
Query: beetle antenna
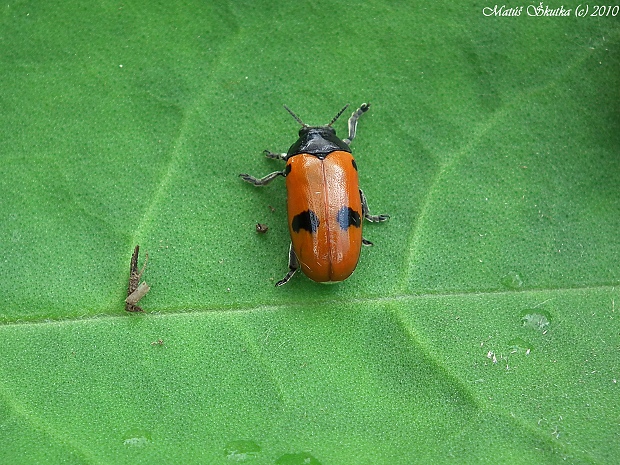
338 115
297 118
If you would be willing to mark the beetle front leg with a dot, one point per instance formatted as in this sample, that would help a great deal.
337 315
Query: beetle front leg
353 122
293 265
264 180
276 156
366 214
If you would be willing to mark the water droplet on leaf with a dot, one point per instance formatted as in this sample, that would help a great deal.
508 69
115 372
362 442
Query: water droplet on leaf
512 280
241 450
519 346
536 319
137 438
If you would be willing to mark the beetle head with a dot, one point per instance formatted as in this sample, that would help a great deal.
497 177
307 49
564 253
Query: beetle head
317 140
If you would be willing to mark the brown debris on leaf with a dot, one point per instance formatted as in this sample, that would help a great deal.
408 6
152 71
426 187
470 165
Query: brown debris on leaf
136 290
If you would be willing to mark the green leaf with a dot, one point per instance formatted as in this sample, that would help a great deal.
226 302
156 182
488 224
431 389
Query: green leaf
481 327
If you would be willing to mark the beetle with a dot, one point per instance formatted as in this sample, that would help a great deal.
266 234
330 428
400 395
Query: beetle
325 205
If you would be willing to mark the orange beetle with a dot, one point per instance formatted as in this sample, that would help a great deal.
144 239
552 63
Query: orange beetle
325 204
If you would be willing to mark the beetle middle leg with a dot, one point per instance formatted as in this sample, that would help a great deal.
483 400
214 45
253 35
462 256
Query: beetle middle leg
271 176
293 265
264 180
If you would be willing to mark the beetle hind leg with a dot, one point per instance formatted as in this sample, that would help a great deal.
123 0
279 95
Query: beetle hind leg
366 214
293 265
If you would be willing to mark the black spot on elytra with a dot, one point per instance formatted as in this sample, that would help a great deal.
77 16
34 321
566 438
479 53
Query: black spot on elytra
305 220
354 164
287 170
348 217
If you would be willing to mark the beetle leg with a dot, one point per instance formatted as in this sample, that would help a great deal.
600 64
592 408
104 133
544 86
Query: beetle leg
366 242
353 121
366 214
277 156
264 180
293 264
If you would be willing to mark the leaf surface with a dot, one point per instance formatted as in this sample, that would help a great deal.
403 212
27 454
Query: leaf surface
481 327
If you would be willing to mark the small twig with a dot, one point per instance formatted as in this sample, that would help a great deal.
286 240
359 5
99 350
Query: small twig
135 296
136 290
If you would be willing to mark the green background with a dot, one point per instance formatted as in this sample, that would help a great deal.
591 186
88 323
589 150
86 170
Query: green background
482 327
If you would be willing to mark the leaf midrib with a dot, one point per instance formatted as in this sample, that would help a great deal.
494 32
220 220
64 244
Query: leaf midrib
317 303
